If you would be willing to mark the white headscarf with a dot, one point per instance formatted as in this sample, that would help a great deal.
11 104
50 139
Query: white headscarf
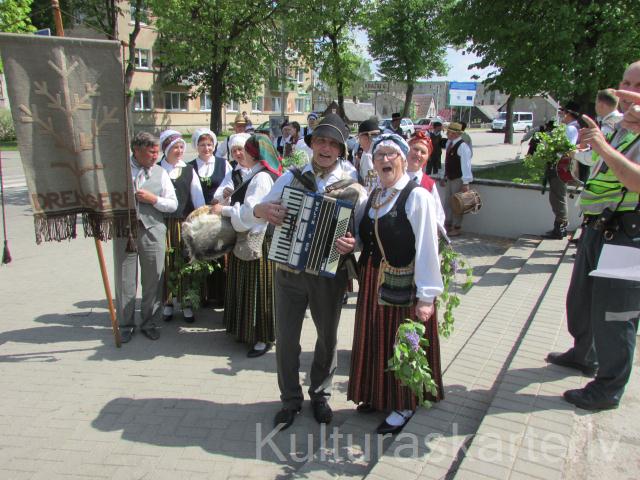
170 138
195 138
238 140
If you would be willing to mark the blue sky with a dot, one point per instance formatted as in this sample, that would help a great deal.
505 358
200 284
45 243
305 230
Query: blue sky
456 59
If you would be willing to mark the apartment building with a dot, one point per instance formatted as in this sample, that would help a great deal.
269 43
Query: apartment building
158 105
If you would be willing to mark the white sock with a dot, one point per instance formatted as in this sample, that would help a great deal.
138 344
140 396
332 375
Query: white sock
167 310
397 418
187 312
260 346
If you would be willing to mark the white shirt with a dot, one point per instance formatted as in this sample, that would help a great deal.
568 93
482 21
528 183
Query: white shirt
343 168
366 162
174 171
227 182
572 130
241 214
301 146
167 201
421 213
205 169
465 159
440 217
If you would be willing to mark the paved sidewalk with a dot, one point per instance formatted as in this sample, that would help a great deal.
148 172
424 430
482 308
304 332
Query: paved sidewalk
190 405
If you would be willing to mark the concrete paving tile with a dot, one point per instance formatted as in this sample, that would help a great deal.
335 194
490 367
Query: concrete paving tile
472 466
537 470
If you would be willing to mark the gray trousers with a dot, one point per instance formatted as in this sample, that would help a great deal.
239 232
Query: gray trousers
293 293
451 188
151 250
602 316
558 198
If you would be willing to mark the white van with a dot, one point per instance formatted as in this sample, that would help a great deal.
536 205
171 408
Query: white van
522 122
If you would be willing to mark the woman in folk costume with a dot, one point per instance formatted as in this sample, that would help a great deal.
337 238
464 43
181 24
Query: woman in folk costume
249 300
236 144
211 171
406 236
189 193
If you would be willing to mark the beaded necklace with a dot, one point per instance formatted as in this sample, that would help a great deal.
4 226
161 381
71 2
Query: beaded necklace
378 193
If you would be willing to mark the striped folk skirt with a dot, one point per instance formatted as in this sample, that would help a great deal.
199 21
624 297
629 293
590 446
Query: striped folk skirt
374 336
249 300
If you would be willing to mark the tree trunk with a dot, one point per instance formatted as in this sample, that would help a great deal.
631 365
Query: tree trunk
508 126
408 96
338 72
215 93
130 70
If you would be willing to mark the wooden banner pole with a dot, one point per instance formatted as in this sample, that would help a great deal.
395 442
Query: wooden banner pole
57 18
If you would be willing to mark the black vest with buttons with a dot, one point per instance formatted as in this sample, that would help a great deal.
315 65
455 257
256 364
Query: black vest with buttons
210 186
452 165
182 186
395 232
239 194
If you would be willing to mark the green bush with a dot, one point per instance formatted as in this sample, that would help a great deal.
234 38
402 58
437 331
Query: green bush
7 130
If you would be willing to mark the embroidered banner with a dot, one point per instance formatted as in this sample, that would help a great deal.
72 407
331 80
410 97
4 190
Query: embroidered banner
67 103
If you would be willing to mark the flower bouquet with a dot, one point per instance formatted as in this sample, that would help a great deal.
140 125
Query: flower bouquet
409 361
297 159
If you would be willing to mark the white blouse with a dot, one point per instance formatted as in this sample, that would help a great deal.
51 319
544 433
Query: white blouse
241 215
197 197
205 169
422 215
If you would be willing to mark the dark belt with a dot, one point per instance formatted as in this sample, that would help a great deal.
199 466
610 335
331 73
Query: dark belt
611 222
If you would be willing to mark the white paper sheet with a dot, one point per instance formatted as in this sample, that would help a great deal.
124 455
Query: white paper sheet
618 262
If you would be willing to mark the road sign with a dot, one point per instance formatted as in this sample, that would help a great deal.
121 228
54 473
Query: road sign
376 86
45 31
462 94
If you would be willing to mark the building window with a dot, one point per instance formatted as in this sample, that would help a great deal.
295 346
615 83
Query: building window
257 105
141 100
300 75
175 101
307 104
142 58
205 102
299 105
275 104
233 106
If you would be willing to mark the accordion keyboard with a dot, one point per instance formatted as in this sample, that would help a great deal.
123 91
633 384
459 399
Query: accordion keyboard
306 240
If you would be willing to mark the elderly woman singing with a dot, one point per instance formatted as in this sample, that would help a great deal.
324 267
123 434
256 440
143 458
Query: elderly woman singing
249 313
400 230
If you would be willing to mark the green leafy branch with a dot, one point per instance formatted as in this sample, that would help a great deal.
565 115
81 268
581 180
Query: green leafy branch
552 146
409 361
451 262
189 278
296 159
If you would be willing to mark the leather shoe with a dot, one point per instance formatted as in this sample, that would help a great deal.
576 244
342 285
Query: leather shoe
285 417
126 333
321 411
253 353
566 360
587 400
167 318
385 428
151 332
190 319
365 408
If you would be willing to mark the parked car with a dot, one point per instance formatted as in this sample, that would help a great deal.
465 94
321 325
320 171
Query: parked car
422 125
406 124
522 122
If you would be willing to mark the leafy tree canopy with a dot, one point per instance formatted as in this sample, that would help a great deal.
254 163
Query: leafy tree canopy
14 16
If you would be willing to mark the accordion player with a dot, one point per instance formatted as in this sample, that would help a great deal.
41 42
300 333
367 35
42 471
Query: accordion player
306 239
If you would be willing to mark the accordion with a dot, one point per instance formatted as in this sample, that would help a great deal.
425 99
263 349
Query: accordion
306 239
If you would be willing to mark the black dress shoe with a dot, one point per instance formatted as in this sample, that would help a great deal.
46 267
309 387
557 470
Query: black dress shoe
365 408
126 333
285 417
253 353
167 318
385 428
322 411
190 319
151 332
587 399
566 360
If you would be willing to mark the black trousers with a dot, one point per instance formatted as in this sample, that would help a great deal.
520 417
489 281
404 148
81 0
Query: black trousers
602 316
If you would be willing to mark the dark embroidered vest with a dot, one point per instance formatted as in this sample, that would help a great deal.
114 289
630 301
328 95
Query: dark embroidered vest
452 166
182 185
239 193
395 232
210 184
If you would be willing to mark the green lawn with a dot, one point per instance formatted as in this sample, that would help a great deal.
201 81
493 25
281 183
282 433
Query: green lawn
9 145
511 172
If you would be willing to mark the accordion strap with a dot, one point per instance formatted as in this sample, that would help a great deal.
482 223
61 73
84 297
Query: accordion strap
375 229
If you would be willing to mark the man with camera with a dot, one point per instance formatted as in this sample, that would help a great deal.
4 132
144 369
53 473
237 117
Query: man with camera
602 313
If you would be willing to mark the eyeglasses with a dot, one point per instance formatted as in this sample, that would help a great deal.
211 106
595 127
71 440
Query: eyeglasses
390 156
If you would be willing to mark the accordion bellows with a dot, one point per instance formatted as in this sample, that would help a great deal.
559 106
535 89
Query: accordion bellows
207 236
